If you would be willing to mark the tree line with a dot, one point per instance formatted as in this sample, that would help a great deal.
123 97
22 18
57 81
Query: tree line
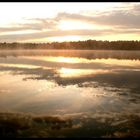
82 45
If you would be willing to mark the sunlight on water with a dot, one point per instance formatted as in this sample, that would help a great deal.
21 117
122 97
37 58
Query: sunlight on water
66 72
60 59
64 59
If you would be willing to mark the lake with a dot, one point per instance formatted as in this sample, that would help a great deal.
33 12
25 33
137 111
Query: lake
70 93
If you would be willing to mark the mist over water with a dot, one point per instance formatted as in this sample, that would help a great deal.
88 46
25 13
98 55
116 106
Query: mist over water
95 93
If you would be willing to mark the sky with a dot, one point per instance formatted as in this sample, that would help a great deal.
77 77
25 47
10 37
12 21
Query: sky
69 21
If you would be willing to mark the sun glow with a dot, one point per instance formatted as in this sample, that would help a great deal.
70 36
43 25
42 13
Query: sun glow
48 22
75 25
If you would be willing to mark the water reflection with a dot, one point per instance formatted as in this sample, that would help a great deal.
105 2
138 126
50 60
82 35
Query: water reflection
65 72
18 66
88 54
72 87
108 61
61 59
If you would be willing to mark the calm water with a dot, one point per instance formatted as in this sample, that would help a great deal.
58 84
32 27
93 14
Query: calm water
99 91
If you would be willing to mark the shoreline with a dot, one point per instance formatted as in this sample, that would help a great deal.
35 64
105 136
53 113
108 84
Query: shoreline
26 125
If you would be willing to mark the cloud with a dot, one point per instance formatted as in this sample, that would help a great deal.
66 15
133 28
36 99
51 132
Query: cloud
118 18
53 33
125 16
36 24
20 27
62 33
119 21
